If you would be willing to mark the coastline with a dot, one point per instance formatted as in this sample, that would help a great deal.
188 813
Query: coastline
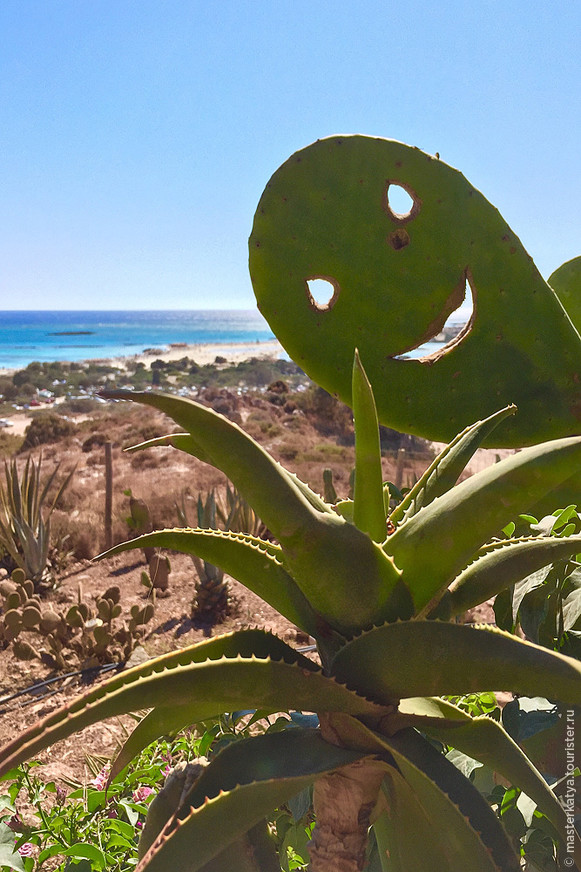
202 353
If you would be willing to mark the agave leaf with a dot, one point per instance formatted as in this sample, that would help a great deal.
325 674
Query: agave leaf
499 565
431 658
242 784
463 825
187 443
446 468
368 506
255 670
434 545
253 852
487 741
254 563
406 836
403 830
160 721
322 551
262 481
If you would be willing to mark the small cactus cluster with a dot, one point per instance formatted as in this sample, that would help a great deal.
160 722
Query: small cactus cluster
157 579
23 609
81 632
139 521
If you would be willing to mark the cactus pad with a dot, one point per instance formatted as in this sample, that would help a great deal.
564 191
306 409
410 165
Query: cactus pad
394 278
566 283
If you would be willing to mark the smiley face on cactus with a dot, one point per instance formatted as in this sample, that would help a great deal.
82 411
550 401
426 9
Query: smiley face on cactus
394 277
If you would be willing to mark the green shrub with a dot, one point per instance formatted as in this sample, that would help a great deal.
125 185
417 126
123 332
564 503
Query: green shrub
44 428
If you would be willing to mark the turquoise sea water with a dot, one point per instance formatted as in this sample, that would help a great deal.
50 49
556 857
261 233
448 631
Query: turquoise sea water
48 336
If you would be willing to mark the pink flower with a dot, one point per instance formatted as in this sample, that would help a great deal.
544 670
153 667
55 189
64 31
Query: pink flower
26 850
142 793
100 781
112 813
166 770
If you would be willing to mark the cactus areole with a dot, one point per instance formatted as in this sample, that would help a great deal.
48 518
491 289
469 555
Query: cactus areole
329 214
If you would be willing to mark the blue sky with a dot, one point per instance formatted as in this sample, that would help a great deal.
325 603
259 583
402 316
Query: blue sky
136 136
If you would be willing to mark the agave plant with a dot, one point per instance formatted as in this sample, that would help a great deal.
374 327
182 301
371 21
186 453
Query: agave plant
377 590
24 528
211 600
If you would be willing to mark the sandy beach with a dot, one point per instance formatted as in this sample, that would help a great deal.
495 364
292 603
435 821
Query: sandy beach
202 353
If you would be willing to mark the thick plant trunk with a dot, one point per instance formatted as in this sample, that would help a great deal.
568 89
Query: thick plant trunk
344 801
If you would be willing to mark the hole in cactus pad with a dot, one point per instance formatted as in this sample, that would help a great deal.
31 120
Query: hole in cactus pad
449 329
322 292
400 202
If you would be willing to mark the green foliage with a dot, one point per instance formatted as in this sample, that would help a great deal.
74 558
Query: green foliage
211 600
25 510
103 820
546 604
232 513
46 427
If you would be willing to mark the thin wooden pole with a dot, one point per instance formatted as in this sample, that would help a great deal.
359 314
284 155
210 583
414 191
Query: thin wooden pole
108 496
399 468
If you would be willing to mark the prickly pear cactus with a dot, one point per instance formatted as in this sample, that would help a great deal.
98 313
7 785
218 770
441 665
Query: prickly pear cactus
328 214
566 283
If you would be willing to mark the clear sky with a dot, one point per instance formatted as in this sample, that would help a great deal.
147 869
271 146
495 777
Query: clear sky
136 136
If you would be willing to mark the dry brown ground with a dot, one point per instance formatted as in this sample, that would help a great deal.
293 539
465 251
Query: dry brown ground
161 477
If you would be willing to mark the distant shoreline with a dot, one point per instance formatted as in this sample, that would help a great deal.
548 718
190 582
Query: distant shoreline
202 353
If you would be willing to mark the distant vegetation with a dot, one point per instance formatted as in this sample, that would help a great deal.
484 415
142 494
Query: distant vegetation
44 382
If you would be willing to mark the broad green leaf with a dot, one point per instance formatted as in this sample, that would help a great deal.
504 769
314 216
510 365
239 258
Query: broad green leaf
474 839
501 564
368 506
432 547
242 784
255 670
572 600
254 563
431 658
485 740
444 471
9 857
87 852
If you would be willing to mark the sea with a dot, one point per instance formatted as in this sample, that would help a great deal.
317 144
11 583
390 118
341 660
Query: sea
46 336
72 335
